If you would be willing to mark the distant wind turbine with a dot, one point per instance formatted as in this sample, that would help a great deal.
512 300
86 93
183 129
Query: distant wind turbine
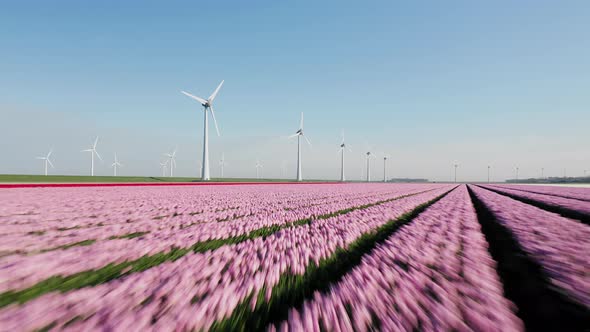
385 157
517 173
222 163
172 159
299 134
488 173
258 168
93 152
208 106
115 164
456 165
46 160
368 159
163 165
343 147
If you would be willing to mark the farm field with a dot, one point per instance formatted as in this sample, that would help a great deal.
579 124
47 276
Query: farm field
305 257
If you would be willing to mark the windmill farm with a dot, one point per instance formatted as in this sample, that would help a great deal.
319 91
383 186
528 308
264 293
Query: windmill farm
166 164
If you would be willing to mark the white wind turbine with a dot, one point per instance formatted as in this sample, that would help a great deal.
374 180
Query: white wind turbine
368 158
343 147
163 165
172 159
258 167
115 164
208 105
385 158
93 151
299 134
46 160
222 163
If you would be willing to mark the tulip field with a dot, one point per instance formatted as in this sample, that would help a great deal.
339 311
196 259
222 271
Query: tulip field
295 257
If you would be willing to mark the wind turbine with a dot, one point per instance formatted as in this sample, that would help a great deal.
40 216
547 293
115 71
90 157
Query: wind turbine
116 164
163 165
222 163
299 134
258 166
208 106
172 158
93 151
385 157
342 148
488 173
368 157
516 173
456 165
47 161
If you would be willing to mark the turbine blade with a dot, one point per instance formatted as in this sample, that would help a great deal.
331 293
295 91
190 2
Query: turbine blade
87 150
308 142
214 120
294 135
199 99
41 158
50 163
95 141
301 122
214 94
50 152
99 157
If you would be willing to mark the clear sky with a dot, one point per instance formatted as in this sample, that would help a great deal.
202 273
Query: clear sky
431 83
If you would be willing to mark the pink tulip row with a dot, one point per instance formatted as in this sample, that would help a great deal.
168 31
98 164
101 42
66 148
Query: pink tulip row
560 245
59 213
434 274
21 271
567 192
556 201
200 288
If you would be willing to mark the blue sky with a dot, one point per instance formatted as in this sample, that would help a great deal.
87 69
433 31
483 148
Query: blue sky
428 82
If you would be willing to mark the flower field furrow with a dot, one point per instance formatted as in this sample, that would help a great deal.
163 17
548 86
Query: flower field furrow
579 206
18 269
558 244
199 289
566 192
433 274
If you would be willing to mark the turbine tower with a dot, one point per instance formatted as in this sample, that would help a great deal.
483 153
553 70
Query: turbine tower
93 152
46 160
163 165
299 134
343 147
207 106
172 158
488 173
258 167
115 165
222 163
385 157
456 165
369 156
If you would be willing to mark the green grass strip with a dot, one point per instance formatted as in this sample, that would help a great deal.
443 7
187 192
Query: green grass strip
113 271
292 290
